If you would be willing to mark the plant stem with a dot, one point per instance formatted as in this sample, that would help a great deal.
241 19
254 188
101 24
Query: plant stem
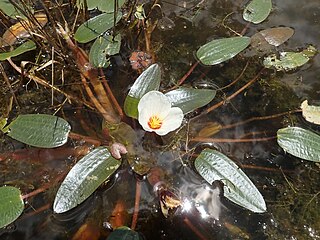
181 81
234 94
260 118
194 229
44 187
136 205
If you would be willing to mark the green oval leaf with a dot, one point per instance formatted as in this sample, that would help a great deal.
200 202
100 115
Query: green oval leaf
148 80
102 48
124 233
220 50
10 10
257 11
84 178
213 165
11 205
300 142
39 130
95 26
189 99
25 47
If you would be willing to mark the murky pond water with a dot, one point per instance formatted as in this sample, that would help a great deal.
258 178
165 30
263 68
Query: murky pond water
290 186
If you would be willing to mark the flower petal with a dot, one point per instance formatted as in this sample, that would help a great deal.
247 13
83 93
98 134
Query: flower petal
153 103
171 122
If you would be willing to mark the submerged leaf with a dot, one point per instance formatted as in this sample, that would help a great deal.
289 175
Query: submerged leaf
300 142
257 11
147 81
25 47
11 205
289 60
189 99
311 113
220 50
215 166
22 29
39 130
102 48
84 178
124 233
277 36
95 26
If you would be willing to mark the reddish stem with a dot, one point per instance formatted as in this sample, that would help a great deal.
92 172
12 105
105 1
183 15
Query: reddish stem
44 187
234 94
194 229
181 81
136 205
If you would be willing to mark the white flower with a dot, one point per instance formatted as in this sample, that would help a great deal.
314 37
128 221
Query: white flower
157 115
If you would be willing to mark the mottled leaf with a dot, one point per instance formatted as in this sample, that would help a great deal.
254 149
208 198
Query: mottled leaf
11 205
148 80
95 26
39 130
189 99
25 47
300 142
257 11
289 60
102 48
84 178
215 166
220 50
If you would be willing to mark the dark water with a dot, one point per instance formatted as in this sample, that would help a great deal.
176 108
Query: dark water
289 185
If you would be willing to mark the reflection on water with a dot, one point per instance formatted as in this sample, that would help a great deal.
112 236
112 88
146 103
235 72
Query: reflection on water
200 211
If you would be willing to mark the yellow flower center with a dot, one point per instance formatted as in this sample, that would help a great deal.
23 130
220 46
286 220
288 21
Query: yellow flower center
155 122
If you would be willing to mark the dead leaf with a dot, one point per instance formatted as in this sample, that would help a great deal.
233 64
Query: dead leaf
22 29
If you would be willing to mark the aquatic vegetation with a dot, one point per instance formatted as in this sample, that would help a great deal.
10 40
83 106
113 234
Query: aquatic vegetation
169 110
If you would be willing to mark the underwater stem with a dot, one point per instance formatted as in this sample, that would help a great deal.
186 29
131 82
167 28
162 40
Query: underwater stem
136 205
234 94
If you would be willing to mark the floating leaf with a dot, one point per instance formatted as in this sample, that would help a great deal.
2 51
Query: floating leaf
102 48
95 26
25 47
289 60
147 81
277 36
11 205
105 6
124 233
10 10
39 130
257 11
84 178
215 166
300 142
220 50
189 99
